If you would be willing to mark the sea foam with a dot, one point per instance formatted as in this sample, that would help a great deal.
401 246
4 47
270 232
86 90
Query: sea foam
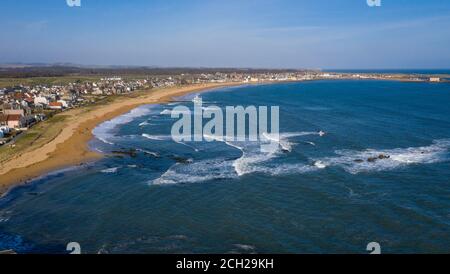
196 172
358 161
104 132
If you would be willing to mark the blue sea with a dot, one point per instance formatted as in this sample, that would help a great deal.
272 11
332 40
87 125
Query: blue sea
316 194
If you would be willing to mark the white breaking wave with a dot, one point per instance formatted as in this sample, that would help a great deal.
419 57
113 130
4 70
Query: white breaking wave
104 140
320 164
251 154
103 132
110 170
146 123
253 159
251 162
196 172
297 134
154 154
283 138
245 247
184 112
310 143
156 137
283 142
166 112
371 160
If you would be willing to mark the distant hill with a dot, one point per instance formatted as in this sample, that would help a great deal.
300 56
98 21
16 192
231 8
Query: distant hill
67 69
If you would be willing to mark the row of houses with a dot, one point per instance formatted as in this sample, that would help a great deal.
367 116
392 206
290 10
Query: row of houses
22 106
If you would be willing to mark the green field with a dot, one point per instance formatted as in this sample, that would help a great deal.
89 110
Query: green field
33 138
10 82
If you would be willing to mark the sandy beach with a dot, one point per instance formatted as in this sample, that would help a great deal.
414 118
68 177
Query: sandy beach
70 147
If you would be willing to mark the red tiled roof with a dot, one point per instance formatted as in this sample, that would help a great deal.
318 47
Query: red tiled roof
14 117
55 104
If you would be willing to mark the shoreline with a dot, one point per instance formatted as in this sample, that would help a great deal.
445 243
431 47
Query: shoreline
71 146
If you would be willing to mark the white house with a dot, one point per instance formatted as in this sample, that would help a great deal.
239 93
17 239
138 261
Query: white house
64 103
435 79
39 100
97 91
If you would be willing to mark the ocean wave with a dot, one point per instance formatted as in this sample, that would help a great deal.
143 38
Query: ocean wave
251 161
253 158
146 123
251 153
282 142
298 133
371 160
320 164
103 132
104 140
154 154
156 137
205 170
310 143
166 112
110 170
245 247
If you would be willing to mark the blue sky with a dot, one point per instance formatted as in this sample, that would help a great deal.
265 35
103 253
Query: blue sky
228 33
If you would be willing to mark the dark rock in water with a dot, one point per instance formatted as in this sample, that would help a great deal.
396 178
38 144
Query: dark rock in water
379 157
372 159
358 160
132 152
182 160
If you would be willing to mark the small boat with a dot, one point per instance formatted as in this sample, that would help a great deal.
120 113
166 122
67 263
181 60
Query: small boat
321 133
